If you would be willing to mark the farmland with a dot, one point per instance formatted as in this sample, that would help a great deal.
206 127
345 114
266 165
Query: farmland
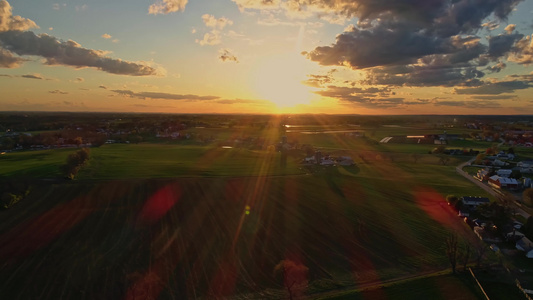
187 220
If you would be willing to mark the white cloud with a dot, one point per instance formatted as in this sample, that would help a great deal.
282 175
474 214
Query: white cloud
167 6
212 22
210 38
9 22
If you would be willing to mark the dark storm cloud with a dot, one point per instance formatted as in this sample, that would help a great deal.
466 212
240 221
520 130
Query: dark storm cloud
69 53
165 96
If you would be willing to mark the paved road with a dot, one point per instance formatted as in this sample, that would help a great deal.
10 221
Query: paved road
488 189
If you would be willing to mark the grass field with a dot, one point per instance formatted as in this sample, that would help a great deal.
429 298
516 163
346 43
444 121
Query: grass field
444 286
191 221
193 236
33 164
160 161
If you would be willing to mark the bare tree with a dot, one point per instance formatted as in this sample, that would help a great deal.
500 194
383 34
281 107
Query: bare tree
294 277
451 250
466 250
480 250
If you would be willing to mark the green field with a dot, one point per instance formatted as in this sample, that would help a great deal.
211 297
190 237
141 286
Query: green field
160 161
191 232
181 221
33 164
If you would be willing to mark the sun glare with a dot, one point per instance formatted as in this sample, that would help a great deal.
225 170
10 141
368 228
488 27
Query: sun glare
279 79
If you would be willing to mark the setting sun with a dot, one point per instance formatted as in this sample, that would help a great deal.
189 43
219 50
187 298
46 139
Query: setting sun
278 78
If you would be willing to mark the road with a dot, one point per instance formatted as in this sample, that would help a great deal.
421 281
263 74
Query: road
488 189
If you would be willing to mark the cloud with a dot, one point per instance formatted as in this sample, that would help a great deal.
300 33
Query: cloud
501 44
212 22
81 7
419 42
495 88
9 22
372 97
103 87
475 104
164 96
69 53
79 79
491 25
58 92
210 38
226 55
523 51
510 28
33 76
244 101
8 60
318 80
494 97
497 67
106 36
27 76
167 6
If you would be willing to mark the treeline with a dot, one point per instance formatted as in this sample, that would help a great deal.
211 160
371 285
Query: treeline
75 161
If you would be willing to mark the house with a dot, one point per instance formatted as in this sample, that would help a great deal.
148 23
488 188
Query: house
482 175
504 172
514 235
345 161
524 244
469 204
502 182
473 202
327 162
499 163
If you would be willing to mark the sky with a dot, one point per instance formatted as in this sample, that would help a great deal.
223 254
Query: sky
383 57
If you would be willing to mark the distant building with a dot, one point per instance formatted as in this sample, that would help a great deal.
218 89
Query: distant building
482 175
503 182
504 172
524 244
